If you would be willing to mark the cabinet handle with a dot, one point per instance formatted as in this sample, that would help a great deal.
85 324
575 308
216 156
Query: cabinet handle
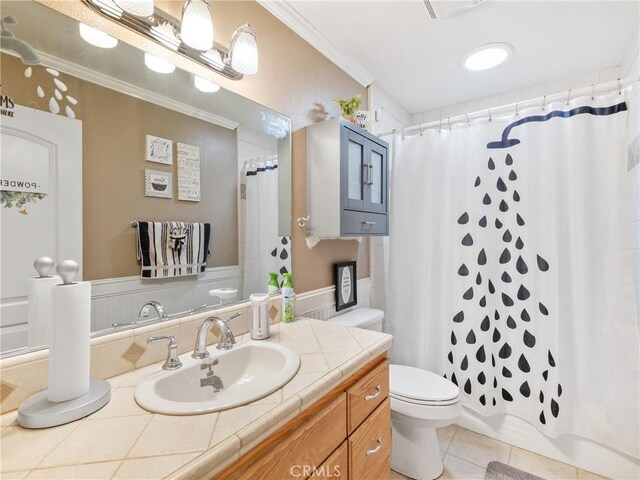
365 174
373 395
370 175
377 448
368 223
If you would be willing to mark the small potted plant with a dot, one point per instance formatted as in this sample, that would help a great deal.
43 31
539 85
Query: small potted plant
350 107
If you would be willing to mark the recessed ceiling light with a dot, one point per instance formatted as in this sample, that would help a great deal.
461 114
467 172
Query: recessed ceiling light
158 64
205 85
487 56
96 37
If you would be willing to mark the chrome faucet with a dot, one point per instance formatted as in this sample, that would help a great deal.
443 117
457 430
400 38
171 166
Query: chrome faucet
172 362
226 339
144 311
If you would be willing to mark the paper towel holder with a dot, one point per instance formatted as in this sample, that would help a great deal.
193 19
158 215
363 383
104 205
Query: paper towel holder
38 411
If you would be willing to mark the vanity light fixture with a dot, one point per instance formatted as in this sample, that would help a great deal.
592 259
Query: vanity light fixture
158 64
96 37
165 34
193 38
139 8
244 50
205 85
196 29
487 56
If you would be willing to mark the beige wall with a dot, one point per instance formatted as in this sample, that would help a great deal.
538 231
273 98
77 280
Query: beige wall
294 79
114 127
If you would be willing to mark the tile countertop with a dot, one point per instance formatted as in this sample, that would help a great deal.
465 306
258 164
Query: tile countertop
124 441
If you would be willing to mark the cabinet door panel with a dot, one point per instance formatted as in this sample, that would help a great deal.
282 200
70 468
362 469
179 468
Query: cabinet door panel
334 467
354 169
376 178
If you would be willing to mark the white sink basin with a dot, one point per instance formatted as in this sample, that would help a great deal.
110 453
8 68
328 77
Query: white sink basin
249 371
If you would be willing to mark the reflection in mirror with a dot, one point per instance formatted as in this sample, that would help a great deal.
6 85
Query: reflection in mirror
160 184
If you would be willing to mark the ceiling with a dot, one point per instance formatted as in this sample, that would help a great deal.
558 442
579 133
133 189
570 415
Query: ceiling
416 59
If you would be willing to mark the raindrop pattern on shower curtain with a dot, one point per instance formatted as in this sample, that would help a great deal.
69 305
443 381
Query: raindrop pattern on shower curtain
495 355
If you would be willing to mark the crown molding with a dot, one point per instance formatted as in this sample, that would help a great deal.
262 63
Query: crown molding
284 11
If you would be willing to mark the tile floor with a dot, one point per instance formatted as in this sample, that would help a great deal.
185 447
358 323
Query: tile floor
466 455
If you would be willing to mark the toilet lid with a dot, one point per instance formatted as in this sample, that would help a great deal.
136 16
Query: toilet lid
417 384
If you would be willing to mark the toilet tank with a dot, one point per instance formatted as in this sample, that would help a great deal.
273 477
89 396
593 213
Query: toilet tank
367 318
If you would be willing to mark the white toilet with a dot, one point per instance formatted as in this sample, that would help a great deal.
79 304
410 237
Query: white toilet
421 401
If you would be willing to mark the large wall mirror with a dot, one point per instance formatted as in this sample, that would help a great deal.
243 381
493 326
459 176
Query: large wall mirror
118 160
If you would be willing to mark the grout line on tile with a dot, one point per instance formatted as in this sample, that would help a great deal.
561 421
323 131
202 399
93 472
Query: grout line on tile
465 459
117 469
79 422
213 430
151 417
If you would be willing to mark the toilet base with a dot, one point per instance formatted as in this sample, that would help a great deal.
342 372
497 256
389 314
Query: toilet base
415 449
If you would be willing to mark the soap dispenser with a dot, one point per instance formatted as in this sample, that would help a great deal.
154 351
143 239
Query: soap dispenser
288 299
259 322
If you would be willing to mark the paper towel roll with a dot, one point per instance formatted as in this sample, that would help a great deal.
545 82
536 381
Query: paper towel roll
39 309
69 354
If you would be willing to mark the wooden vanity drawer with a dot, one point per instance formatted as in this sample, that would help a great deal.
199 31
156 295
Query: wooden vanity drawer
367 394
308 445
370 446
334 467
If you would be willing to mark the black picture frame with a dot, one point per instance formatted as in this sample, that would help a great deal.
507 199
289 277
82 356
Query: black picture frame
345 272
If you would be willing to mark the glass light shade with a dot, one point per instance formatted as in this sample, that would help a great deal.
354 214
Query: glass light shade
244 51
139 8
196 29
205 85
487 56
158 64
165 34
96 37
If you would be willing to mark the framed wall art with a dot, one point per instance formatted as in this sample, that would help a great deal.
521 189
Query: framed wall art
346 285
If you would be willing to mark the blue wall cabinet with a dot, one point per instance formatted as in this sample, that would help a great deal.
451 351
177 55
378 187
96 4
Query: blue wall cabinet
347 181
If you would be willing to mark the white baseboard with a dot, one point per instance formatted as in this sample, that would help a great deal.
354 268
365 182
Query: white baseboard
321 303
570 449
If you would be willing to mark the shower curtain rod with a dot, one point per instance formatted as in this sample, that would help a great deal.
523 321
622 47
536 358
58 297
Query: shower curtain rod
594 90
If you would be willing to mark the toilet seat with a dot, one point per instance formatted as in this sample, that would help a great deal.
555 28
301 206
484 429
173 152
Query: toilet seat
421 387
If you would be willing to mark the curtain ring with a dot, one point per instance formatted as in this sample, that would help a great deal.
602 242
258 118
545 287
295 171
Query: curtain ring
544 101
489 110
619 87
440 127
593 91
421 130
568 97
517 105
449 121
468 122
402 130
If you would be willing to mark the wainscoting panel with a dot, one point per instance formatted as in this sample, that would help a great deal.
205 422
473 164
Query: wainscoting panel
120 299
321 303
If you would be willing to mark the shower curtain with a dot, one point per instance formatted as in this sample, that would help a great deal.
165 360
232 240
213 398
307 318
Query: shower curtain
262 248
510 267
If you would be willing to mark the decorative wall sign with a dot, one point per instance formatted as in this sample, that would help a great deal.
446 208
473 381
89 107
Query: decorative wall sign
159 150
188 172
363 119
346 285
158 183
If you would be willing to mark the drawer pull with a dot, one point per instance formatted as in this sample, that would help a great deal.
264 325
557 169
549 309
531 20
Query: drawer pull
373 395
368 223
377 448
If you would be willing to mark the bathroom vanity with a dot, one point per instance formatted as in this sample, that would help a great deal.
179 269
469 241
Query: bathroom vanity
346 434
333 416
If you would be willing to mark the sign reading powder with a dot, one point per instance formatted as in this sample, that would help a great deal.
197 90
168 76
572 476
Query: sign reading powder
188 172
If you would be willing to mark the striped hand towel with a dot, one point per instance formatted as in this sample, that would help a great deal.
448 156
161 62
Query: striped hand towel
172 249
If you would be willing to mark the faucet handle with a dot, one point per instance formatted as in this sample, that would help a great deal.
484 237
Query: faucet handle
172 362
